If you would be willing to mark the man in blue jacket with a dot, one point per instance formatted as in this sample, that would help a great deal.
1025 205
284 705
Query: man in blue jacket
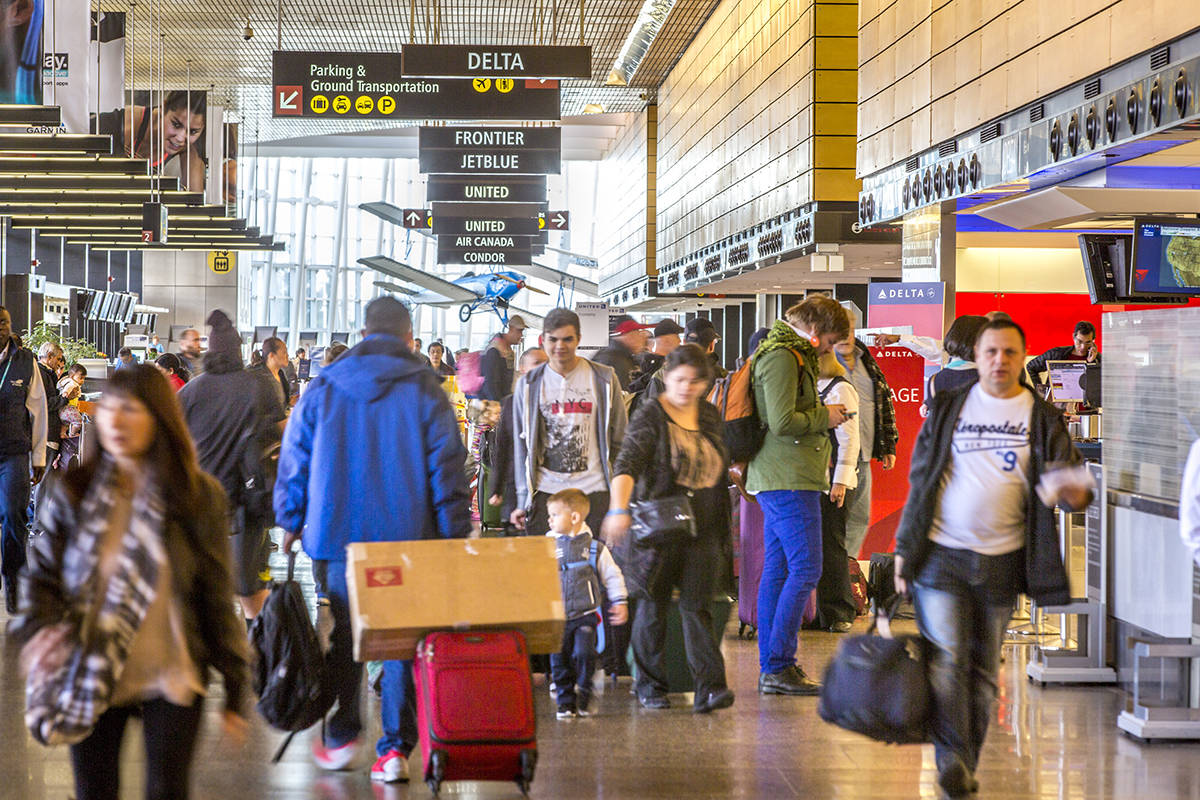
371 453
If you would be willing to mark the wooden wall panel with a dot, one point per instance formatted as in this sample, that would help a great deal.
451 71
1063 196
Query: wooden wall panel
930 70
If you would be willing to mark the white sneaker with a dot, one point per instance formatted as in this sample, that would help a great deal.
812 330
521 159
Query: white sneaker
334 758
390 768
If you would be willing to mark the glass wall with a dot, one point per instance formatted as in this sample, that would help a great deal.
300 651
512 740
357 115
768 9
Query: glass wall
315 287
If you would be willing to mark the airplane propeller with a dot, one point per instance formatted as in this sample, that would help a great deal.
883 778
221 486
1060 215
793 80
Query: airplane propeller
520 284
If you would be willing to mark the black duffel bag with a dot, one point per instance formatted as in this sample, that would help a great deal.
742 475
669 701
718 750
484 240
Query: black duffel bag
879 686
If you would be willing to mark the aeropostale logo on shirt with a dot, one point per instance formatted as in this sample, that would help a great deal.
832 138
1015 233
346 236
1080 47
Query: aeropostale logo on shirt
973 437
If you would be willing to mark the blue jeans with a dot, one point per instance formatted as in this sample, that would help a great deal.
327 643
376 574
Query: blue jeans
14 514
575 663
791 569
398 710
964 601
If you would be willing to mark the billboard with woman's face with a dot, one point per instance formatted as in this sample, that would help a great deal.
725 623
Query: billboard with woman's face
168 129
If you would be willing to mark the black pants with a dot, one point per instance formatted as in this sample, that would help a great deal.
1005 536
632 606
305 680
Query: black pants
692 567
835 600
574 665
170 732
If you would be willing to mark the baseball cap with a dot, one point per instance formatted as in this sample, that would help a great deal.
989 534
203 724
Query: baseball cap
668 327
700 329
623 324
517 321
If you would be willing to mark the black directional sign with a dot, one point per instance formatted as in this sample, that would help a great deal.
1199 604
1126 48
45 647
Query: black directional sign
507 150
485 249
416 217
486 188
320 85
557 220
497 61
516 219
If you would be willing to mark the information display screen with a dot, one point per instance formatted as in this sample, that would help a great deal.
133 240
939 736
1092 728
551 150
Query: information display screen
1066 381
1166 257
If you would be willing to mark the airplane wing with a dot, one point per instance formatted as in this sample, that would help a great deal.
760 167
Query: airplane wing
558 276
387 286
452 292
581 260
385 211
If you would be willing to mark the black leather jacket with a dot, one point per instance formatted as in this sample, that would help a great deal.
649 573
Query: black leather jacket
1045 578
199 556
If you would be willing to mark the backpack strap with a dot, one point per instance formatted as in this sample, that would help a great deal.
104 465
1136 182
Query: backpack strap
825 392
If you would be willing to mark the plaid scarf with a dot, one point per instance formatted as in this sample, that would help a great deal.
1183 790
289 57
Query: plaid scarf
61 707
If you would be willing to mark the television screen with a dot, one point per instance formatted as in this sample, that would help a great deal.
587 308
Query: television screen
264 332
90 303
1105 265
1066 381
104 309
1166 257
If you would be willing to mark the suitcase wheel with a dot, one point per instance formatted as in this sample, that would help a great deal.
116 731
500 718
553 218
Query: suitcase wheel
437 771
746 632
528 765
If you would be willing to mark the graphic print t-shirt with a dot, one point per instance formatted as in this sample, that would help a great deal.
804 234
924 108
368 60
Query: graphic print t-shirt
984 490
571 456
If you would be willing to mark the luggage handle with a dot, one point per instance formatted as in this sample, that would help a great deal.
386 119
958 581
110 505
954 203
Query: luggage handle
884 627
291 565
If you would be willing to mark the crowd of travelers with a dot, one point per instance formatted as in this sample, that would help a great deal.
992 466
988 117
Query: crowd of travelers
140 552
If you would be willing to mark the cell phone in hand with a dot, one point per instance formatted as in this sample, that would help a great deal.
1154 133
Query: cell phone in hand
850 414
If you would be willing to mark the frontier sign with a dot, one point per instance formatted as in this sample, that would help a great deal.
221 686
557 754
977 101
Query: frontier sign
528 151
496 61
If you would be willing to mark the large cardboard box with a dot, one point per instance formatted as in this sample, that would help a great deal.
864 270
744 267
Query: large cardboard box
399 591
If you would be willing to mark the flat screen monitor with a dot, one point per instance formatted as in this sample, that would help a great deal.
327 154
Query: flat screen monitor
1166 257
339 336
264 332
1105 265
125 311
104 311
90 304
1067 381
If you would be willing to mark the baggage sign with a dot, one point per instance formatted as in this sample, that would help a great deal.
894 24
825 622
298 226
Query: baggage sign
496 61
318 85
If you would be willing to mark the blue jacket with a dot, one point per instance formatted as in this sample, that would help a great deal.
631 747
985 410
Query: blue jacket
372 453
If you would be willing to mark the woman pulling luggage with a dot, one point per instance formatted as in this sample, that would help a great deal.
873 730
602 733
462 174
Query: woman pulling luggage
673 460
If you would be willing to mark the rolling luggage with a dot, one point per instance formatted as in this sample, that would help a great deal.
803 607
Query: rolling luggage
750 545
475 712
750 573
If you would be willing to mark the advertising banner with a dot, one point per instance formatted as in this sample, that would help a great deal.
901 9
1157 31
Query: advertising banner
65 63
905 373
169 129
21 52
107 54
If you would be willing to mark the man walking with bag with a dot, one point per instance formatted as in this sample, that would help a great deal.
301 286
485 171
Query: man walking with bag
371 454
979 528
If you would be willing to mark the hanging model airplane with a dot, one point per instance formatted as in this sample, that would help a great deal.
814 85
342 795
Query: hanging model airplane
488 290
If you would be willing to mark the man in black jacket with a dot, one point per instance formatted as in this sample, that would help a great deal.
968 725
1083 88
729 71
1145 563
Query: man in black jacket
627 341
976 531
1083 349
496 364
50 362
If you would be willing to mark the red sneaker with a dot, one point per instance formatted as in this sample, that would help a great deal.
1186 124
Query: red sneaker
334 758
391 767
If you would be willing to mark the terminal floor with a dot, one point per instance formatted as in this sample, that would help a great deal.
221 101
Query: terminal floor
1057 742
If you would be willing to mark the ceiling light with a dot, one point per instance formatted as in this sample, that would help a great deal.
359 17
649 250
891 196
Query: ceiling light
645 29
615 79
593 108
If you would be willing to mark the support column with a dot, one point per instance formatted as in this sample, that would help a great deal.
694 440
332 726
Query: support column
927 251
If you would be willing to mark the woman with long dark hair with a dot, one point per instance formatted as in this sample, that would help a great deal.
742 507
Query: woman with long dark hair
674 448
172 367
168 134
135 559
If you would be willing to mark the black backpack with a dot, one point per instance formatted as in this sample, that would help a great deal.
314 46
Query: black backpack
290 672
259 467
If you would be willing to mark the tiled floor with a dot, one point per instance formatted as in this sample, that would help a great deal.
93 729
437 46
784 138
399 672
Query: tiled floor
1057 743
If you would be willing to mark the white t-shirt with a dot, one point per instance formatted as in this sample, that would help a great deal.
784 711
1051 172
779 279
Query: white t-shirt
985 488
571 454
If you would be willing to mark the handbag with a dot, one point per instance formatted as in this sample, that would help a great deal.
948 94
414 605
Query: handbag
56 711
663 521
879 686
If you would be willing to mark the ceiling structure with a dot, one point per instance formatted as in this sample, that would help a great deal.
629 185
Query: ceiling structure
202 44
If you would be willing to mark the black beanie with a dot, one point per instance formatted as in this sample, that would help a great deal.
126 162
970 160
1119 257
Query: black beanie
224 344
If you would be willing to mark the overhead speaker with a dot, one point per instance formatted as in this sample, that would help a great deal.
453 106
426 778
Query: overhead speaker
1073 134
1156 103
1091 127
1180 95
1133 111
1110 119
1056 141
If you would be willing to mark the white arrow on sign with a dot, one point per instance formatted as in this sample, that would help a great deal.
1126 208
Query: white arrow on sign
560 220
414 218
287 102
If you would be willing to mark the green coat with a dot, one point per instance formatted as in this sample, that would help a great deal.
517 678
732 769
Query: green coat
796 450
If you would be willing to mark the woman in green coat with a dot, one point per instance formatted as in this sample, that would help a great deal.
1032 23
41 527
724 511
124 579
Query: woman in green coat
787 477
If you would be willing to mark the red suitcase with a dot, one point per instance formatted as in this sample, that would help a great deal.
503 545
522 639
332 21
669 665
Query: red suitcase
475 708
